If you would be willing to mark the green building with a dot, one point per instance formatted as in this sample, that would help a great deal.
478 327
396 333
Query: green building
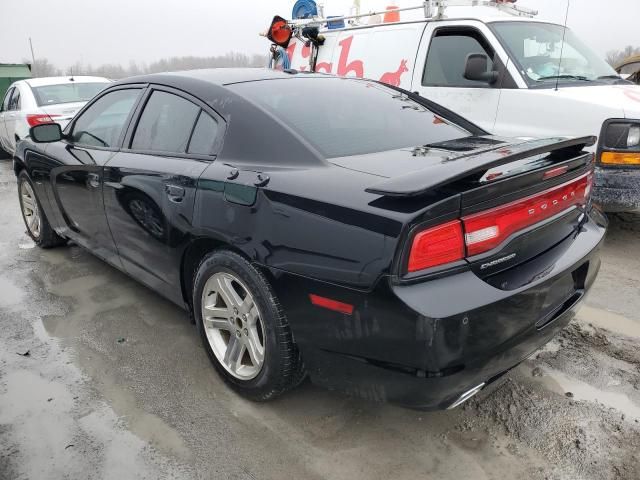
11 72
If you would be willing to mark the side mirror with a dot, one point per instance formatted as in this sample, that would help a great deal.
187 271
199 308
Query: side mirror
46 133
476 68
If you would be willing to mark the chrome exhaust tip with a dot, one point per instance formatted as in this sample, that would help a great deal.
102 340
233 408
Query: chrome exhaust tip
466 396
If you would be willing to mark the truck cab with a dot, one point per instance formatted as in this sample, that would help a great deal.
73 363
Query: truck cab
500 67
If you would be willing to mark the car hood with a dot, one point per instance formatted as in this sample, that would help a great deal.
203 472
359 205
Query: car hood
625 98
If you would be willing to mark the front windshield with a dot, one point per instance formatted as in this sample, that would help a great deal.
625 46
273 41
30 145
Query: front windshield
536 48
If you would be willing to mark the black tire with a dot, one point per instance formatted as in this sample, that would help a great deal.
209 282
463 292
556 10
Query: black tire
4 155
47 237
282 369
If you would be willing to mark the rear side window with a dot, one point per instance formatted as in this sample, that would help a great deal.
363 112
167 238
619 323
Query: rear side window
165 124
14 103
7 99
204 135
342 116
447 58
102 123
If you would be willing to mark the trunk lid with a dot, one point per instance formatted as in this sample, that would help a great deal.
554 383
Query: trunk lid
62 113
515 201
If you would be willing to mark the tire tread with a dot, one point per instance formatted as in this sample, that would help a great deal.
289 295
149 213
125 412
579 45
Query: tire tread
291 365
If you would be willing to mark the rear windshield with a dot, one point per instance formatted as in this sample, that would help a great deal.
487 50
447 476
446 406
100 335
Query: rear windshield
67 92
342 117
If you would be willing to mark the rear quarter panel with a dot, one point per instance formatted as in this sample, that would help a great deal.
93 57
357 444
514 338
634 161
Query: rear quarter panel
311 222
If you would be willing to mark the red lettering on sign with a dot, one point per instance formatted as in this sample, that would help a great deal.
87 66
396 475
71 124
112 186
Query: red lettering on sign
393 78
355 66
306 51
324 67
291 49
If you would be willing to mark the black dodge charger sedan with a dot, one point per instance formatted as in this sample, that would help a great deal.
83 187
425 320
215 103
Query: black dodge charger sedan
312 225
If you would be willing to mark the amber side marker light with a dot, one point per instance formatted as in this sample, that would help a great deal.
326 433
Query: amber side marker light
331 304
620 158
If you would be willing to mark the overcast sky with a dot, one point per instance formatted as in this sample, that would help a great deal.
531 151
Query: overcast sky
117 31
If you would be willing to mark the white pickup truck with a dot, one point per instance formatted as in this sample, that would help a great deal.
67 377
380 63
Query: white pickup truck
498 66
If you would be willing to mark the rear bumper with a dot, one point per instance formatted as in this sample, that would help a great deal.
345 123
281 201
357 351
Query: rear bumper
425 345
617 190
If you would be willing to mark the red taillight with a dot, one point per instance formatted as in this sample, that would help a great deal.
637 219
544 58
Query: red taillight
486 230
40 118
331 304
437 246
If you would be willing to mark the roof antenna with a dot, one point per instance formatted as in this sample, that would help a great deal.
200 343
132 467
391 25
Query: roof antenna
564 33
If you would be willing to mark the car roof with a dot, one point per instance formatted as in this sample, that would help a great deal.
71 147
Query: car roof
44 81
219 76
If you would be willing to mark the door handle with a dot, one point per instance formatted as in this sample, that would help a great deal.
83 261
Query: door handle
175 193
93 180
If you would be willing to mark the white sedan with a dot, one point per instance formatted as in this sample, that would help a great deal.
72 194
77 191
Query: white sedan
43 100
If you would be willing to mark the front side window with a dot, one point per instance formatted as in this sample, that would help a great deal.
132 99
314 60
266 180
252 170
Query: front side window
102 124
538 50
447 58
14 103
342 116
165 124
7 99
67 92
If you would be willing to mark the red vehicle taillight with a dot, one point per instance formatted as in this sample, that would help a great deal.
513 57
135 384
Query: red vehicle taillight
39 119
437 246
484 231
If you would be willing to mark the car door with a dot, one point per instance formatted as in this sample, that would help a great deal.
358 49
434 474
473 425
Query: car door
4 113
442 78
75 168
150 186
13 116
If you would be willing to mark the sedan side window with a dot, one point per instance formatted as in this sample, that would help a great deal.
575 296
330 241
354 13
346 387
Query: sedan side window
101 124
14 103
165 124
447 58
7 99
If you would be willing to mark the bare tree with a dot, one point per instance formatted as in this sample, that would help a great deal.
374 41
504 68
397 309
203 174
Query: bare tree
115 71
614 57
42 68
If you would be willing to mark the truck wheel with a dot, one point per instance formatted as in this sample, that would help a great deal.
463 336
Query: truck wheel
38 226
243 327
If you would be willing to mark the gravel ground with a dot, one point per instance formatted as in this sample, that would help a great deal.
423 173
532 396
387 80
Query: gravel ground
101 378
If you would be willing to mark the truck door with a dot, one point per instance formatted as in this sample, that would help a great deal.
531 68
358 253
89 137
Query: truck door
444 54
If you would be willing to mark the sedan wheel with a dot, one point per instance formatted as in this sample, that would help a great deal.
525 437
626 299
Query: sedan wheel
233 325
30 210
38 226
243 327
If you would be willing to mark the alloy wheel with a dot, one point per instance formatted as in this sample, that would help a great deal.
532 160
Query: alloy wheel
30 209
233 325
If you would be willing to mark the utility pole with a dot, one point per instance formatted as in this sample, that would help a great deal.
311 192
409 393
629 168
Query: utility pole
33 57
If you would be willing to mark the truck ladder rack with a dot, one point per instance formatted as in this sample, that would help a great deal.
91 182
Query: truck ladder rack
433 10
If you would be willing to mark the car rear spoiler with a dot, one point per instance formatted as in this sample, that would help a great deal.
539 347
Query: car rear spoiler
452 169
